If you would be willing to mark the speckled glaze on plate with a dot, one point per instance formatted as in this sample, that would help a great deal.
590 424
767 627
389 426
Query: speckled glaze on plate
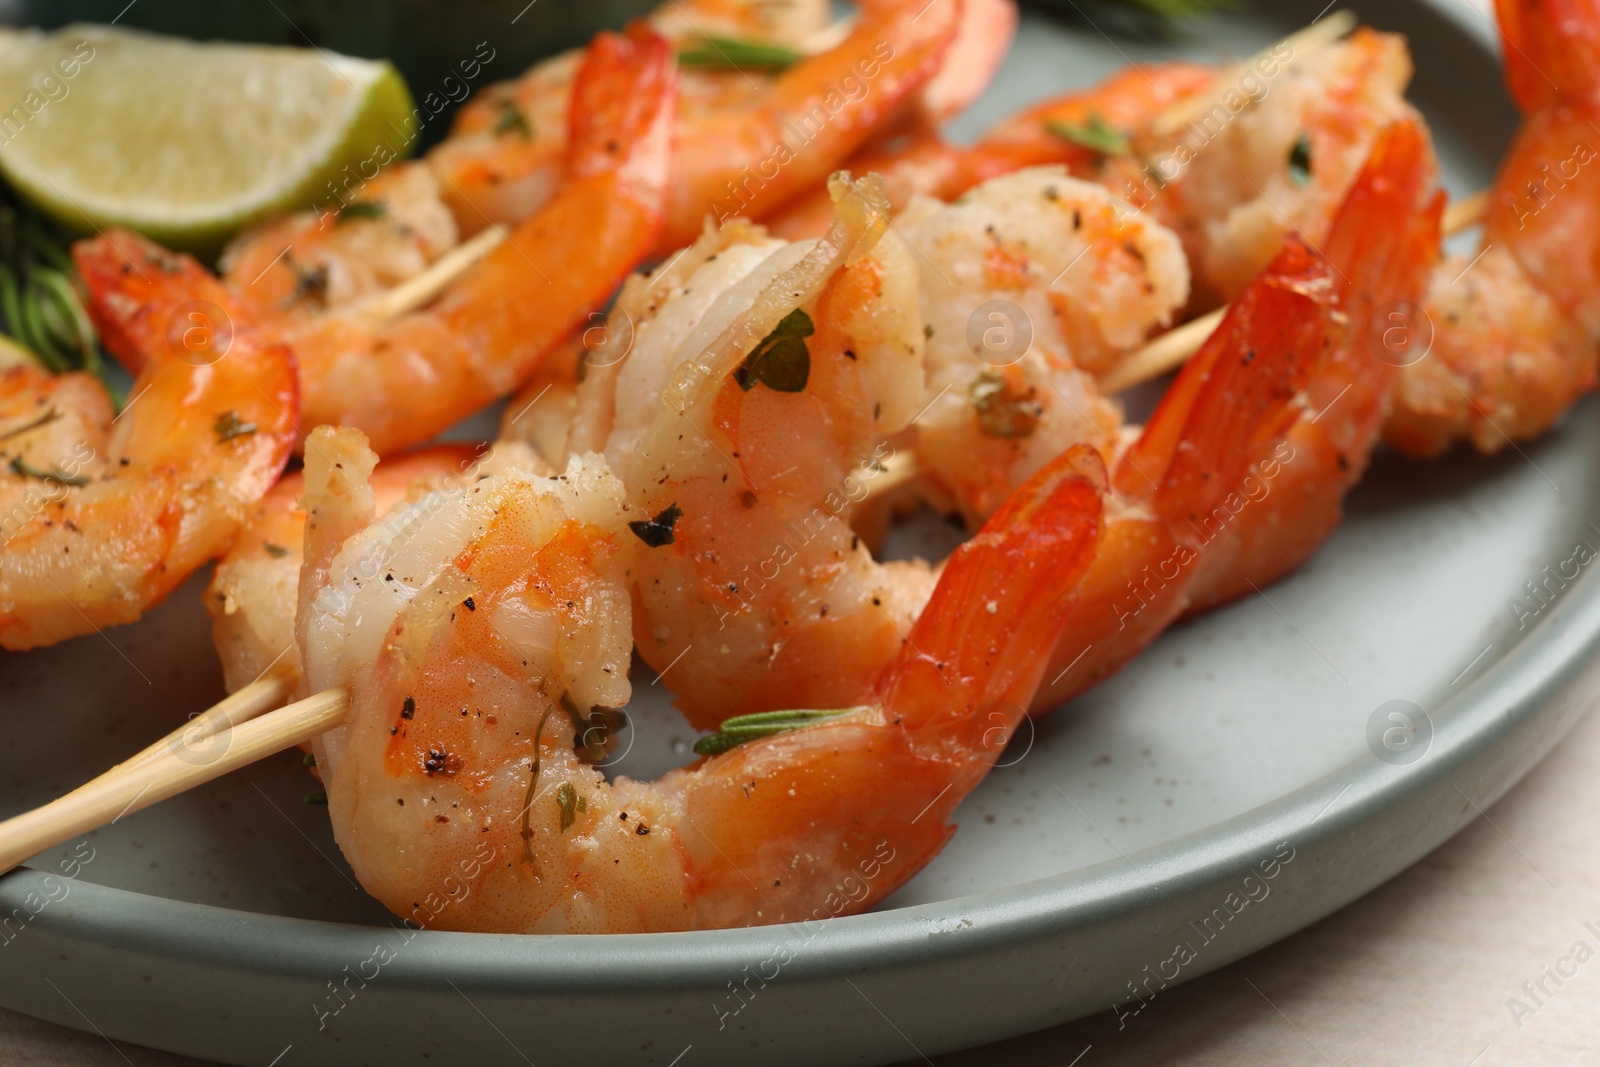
1219 795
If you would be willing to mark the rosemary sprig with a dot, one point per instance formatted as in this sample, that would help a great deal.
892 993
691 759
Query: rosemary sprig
1156 18
27 470
733 53
41 299
1096 135
742 728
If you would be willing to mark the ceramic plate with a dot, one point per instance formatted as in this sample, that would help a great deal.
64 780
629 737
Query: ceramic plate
1228 789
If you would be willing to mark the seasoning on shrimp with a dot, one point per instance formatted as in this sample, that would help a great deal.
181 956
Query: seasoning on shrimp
101 516
754 835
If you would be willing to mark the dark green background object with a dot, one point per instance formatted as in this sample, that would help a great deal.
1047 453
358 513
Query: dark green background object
426 39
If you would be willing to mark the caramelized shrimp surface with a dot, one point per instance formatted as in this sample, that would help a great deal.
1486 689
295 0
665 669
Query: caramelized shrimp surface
1240 473
747 142
1515 330
251 597
1031 285
102 515
760 375
403 376
921 162
482 629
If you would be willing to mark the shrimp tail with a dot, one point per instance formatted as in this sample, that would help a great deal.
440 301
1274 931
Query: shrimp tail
137 291
1552 50
1239 475
980 644
617 99
1381 249
1237 393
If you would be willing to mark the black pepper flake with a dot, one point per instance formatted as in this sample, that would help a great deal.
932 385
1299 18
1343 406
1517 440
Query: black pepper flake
440 762
409 708
642 830
469 605
1300 160
658 532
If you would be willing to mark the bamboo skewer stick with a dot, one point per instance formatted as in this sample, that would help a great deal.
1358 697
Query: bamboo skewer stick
1174 348
114 795
1302 42
248 703
1167 352
418 290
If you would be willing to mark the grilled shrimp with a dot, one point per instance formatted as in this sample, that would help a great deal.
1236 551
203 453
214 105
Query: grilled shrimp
102 515
1240 473
485 630
404 379
1515 329
746 143
505 154
1030 285
1271 156
251 598
760 376
921 162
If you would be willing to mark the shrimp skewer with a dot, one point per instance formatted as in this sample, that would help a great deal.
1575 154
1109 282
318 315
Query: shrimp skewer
105 515
519 586
404 381
747 146
252 593
1240 473
1515 330
921 163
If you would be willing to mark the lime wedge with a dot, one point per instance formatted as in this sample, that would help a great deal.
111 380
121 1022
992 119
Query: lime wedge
187 142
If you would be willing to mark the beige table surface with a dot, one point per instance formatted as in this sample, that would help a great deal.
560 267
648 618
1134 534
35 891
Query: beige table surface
1422 971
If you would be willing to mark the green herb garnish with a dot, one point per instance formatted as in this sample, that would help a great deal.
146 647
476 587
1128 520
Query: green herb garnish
1159 18
1002 410
317 796
275 551
781 361
593 728
511 120
1300 160
741 728
54 474
732 53
229 425
361 209
570 803
658 531
1096 136
48 417
41 300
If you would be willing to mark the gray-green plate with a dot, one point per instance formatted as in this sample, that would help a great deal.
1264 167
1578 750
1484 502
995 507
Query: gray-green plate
1122 847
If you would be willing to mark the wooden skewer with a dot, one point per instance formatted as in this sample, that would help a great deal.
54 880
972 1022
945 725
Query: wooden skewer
417 291
248 703
1465 213
1173 349
1167 352
112 796
1302 42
